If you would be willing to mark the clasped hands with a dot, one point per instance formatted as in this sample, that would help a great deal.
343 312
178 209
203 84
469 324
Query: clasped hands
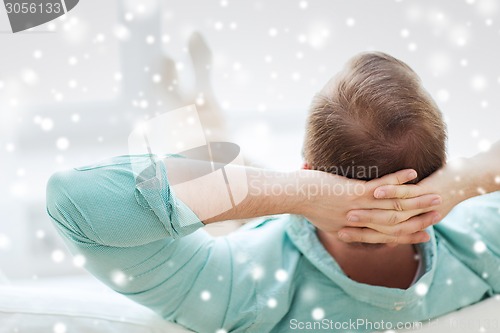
383 210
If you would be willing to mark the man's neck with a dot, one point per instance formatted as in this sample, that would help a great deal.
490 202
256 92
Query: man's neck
392 267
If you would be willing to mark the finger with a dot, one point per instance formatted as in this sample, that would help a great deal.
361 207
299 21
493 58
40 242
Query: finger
421 202
398 191
201 56
412 225
373 217
366 235
406 209
396 178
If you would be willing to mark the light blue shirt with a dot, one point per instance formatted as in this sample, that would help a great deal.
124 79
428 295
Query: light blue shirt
272 275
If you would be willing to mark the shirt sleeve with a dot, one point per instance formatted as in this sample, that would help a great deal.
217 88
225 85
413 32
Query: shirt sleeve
472 232
137 238
109 196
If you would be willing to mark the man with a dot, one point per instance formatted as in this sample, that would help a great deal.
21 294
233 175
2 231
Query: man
294 272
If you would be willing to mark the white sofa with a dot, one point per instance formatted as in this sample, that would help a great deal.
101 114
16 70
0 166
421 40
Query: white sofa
83 305
74 305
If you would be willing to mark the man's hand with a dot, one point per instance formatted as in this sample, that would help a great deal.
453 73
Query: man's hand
457 181
375 220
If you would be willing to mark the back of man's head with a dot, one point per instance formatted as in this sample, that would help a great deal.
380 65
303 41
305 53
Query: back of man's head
374 118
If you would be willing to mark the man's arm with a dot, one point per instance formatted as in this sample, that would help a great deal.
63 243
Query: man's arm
321 197
89 201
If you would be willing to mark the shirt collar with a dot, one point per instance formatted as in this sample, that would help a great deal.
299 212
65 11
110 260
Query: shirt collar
303 235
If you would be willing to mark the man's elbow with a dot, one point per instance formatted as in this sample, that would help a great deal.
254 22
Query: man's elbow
57 194
61 206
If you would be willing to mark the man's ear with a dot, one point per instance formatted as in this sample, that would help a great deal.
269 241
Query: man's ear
305 166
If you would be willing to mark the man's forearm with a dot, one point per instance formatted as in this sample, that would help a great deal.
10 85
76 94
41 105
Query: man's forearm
491 161
253 192
269 193
482 173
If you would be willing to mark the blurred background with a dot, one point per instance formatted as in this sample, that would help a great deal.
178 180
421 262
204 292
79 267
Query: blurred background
73 89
